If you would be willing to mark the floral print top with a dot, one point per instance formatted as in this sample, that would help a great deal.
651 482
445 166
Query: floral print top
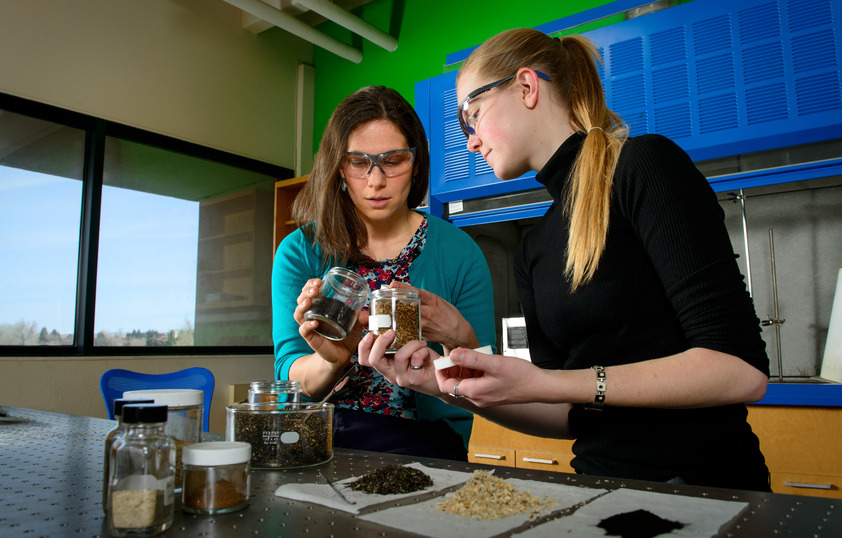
367 390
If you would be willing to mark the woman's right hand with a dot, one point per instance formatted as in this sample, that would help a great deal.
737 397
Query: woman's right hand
335 352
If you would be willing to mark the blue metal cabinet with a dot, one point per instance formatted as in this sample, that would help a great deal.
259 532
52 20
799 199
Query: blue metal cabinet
719 77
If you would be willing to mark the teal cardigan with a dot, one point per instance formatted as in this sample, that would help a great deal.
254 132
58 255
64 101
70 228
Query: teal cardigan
451 265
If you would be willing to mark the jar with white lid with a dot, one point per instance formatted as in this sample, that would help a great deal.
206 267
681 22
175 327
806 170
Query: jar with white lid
184 417
338 304
398 309
216 477
277 391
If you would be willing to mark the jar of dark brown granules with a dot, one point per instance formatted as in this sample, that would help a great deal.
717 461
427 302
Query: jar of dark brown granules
216 477
398 309
342 296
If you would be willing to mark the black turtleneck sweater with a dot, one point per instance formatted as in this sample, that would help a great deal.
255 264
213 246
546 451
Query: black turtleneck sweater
667 281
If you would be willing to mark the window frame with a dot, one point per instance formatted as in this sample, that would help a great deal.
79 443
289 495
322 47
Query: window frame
96 131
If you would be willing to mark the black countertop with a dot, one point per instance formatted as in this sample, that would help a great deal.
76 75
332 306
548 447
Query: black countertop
51 476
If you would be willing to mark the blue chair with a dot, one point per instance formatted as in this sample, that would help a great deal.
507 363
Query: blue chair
114 383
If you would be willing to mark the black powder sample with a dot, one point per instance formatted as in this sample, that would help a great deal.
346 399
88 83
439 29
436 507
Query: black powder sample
392 479
638 524
327 312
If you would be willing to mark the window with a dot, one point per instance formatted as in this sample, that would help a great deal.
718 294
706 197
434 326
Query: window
40 211
123 241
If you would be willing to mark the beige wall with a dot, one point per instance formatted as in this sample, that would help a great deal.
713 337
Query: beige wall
183 68
71 384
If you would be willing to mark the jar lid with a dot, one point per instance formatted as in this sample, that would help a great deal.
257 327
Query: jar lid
144 413
397 293
120 402
170 397
216 453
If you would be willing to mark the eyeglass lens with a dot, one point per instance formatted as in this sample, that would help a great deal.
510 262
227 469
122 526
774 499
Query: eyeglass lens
391 163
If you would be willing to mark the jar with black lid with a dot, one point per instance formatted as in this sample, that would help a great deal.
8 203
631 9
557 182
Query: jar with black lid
142 474
119 430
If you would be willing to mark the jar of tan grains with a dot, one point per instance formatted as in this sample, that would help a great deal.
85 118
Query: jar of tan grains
396 309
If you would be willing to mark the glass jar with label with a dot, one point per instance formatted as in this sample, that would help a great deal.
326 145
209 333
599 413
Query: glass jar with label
276 391
119 430
142 474
184 417
398 309
342 296
216 477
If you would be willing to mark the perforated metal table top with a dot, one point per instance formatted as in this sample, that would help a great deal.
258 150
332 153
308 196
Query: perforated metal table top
51 476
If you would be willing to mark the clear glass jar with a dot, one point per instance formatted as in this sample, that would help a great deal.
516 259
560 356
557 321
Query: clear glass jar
216 477
184 417
342 296
275 392
282 436
118 431
397 309
142 474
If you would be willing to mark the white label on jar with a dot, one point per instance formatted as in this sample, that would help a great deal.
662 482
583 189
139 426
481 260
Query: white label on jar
289 438
378 321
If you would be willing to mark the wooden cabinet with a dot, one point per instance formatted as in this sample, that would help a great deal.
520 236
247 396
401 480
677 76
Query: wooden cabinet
802 446
285 192
496 445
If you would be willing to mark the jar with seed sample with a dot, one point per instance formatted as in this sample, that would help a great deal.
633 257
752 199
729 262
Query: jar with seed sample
142 474
396 309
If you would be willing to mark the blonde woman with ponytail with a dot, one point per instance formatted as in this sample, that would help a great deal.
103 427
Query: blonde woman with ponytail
644 342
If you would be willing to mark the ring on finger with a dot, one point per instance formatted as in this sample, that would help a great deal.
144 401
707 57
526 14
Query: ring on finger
420 367
455 392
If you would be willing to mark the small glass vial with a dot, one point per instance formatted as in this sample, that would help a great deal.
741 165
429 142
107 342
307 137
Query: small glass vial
184 417
275 392
216 477
398 309
109 442
342 296
142 474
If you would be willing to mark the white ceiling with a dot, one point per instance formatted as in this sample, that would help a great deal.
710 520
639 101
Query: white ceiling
300 17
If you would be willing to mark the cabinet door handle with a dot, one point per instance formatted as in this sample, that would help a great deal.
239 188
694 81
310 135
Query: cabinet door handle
805 485
490 456
539 460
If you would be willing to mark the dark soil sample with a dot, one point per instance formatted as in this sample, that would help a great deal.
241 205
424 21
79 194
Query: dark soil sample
392 479
638 524
334 317
280 440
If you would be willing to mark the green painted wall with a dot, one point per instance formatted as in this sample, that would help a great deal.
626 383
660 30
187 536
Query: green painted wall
427 31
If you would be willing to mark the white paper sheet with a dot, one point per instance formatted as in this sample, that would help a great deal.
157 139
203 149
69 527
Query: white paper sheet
321 493
425 519
701 516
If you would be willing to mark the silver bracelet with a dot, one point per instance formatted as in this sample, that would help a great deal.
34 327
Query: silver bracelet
601 386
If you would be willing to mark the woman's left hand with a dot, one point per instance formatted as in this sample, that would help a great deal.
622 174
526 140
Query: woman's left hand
442 322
